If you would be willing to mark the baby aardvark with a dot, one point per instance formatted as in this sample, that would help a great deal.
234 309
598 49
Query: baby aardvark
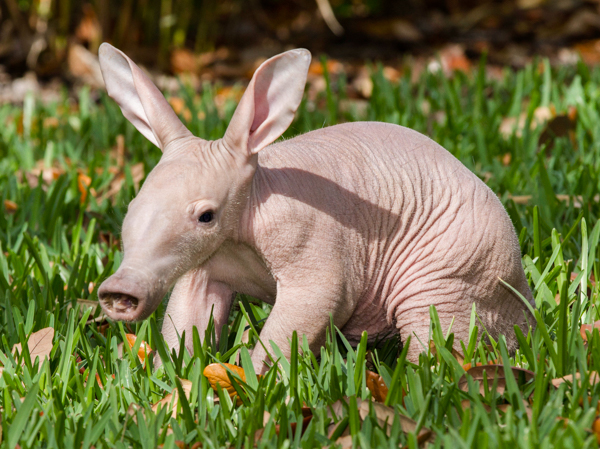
370 223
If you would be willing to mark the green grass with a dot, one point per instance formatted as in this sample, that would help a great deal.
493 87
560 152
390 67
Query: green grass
56 249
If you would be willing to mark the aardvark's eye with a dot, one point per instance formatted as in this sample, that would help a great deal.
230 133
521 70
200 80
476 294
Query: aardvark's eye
206 217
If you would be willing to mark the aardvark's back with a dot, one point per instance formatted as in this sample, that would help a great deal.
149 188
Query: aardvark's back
373 223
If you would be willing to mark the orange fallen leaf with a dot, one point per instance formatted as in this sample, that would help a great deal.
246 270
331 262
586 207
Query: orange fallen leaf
10 206
183 60
178 105
377 386
453 58
83 182
144 348
596 429
333 67
468 366
100 384
51 122
216 373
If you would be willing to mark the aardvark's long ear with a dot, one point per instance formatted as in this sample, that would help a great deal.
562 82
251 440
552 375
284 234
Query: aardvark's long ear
139 99
267 107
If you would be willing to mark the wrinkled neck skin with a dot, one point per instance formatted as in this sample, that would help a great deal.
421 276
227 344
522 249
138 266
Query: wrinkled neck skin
237 262
228 169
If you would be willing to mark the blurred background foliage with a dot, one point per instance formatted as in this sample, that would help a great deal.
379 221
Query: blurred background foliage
44 36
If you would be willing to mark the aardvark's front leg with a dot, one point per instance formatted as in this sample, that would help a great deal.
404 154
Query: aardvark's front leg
307 311
191 302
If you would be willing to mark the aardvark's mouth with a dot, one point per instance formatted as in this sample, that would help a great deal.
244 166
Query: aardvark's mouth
119 302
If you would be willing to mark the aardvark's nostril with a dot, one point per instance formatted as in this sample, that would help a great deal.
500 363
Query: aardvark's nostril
119 302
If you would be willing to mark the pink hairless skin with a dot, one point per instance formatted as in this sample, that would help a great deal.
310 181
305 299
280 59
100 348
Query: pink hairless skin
368 223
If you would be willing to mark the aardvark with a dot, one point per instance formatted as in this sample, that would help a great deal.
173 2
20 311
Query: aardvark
369 223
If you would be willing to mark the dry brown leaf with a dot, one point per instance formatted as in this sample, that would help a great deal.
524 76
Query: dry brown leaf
516 125
144 349
48 174
592 278
335 410
559 126
491 372
118 152
589 51
307 417
453 59
594 378
10 206
171 399
266 417
585 328
392 74
137 174
39 344
377 386
385 417
363 84
335 428
132 409
183 61
345 442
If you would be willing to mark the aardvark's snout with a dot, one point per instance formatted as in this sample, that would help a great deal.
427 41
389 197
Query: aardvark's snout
124 299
